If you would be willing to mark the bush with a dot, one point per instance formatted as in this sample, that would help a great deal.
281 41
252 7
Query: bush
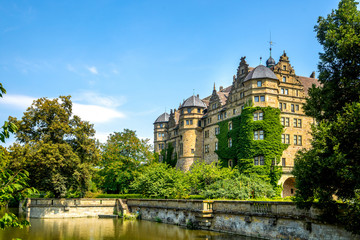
122 196
241 187
159 180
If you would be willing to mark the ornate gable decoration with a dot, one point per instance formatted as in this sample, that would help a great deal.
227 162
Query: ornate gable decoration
284 69
172 122
242 70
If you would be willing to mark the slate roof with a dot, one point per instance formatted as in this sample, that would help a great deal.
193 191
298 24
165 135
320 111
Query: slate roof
193 101
162 118
260 72
308 82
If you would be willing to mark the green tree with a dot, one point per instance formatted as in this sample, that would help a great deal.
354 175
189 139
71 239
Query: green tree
159 180
12 185
168 155
122 155
241 187
58 149
339 66
331 168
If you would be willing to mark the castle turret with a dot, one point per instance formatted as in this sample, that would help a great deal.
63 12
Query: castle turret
161 132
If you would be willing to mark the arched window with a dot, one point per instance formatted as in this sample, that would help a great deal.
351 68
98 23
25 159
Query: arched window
230 163
230 142
230 126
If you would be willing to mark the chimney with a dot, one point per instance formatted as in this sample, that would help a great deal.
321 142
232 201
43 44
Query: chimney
221 88
197 95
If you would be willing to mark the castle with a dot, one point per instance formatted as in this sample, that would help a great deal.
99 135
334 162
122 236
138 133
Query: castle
193 128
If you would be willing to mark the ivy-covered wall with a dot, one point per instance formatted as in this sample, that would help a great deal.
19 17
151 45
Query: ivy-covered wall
245 148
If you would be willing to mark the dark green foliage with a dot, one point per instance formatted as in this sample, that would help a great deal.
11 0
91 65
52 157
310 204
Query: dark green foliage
122 196
55 147
122 155
168 155
339 66
245 148
332 167
241 187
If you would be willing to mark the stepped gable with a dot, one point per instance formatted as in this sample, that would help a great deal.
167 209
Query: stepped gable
162 118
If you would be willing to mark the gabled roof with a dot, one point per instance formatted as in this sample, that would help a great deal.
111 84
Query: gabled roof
260 72
193 101
162 118
308 82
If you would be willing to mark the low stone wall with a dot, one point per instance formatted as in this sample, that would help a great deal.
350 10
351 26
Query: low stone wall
269 220
69 208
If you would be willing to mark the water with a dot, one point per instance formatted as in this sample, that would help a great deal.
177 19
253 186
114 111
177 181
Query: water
108 229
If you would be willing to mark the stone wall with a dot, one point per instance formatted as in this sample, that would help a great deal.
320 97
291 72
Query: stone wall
269 220
69 208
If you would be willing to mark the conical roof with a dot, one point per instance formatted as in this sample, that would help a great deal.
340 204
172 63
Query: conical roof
162 118
193 101
260 72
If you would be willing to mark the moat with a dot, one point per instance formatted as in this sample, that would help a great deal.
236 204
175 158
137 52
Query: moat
109 229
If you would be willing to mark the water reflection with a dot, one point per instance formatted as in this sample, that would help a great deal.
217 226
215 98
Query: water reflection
107 229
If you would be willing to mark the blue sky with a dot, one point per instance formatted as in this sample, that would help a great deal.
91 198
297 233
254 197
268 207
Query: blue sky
124 62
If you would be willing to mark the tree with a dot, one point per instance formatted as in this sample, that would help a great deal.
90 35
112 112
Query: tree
168 155
58 149
339 66
122 155
330 169
160 180
12 185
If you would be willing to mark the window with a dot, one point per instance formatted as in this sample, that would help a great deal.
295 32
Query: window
189 110
287 138
286 91
199 123
284 67
159 134
284 79
282 120
258 116
292 108
297 107
259 83
207 148
256 98
259 135
219 116
214 106
216 146
209 120
297 122
217 130
192 150
230 125
287 122
231 163
297 93
182 123
242 107
284 105
191 122
161 125
282 91
262 98
241 95
283 162
187 122
234 111
230 142
181 149
280 106
225 115
282 138
207 134
163 135
298 140
259 160
199 110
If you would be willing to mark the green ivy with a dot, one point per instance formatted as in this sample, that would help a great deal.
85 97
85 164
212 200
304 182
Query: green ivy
245 148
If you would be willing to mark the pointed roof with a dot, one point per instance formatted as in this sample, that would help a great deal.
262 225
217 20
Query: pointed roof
260 72
162 118
193 101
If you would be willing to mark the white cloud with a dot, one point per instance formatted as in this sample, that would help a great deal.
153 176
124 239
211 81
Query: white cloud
17 101
96 114
93 70
97 99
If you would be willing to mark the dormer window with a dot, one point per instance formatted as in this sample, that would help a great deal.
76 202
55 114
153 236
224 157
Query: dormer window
199 110
284 79
189 110
284 67
259 83
214 106
161 125
242 71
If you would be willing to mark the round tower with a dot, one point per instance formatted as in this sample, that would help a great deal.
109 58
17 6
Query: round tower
161 132
190 131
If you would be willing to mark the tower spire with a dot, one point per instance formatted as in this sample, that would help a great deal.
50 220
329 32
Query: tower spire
271 43
214 87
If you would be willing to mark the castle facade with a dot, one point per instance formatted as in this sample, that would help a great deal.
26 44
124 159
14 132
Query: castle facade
192 128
